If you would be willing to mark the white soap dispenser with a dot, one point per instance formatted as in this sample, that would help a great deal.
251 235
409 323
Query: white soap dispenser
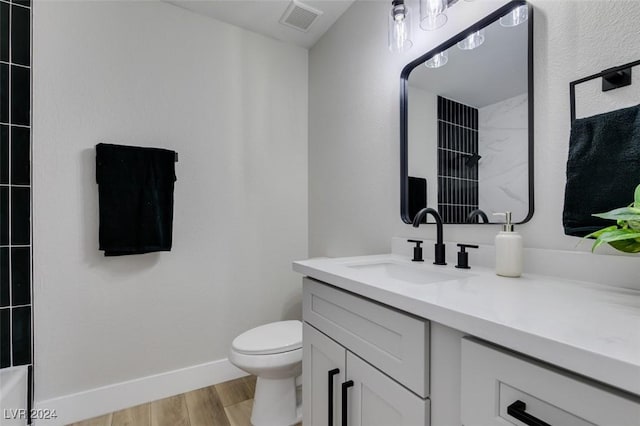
509 256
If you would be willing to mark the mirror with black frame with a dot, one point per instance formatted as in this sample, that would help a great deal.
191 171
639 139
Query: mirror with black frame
467 123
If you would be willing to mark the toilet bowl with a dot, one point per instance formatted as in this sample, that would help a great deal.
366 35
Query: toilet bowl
273 353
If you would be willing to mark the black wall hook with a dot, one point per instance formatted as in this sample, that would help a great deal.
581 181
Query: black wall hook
616 79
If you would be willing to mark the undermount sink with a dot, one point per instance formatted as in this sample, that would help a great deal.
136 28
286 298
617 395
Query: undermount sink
423 274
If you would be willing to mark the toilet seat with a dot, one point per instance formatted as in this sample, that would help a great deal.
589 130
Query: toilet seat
268 339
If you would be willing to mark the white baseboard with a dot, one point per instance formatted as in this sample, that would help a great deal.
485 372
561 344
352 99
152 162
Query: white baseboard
103 400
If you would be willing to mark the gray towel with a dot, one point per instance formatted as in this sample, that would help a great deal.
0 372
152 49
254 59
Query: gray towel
603 168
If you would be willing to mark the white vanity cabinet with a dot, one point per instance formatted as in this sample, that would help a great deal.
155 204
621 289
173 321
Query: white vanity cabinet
500 387
423 346
358 357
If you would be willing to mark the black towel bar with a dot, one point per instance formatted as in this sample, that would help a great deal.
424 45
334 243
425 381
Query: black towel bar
612 78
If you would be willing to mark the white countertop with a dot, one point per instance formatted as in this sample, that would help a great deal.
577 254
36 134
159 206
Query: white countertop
590 329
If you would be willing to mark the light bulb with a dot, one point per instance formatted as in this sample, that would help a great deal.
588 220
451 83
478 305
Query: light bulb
432 14
399 27
472 41
515 17
438 60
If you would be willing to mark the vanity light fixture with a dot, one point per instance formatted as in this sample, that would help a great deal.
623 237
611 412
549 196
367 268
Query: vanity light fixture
472 41
432 14
399 27
515 17
438 60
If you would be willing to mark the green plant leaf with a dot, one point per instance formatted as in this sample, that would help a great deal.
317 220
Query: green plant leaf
619 234
627 246
634 224
623 213
596 234
615 235
625 235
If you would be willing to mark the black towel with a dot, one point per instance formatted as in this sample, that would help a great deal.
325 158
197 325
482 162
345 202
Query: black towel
417 196
603 168
135 188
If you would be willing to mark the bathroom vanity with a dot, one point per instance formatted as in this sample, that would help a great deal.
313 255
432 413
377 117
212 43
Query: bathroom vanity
390 341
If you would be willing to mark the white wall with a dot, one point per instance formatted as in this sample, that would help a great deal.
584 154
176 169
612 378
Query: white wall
503 172
354 115
423 137
234 105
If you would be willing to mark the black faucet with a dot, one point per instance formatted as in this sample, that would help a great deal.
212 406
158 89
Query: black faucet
439 246
477 212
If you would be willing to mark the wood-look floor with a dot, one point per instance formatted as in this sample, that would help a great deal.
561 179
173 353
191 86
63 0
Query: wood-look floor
224 404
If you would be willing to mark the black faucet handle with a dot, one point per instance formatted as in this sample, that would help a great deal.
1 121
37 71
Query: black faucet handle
463 256
417 251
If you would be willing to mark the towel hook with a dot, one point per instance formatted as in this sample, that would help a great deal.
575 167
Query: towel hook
616 79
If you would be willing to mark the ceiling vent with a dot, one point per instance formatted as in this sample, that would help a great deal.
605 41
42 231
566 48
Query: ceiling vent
299 16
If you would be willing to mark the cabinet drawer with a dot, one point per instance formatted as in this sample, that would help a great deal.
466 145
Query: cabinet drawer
493 379
392 341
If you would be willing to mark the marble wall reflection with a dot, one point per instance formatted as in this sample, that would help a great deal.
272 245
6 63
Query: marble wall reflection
503 169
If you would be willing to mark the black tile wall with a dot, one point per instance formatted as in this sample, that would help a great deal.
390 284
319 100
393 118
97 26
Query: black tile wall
457 172
4 277
4 216
4 93
4 154
20 36
21 335
20 216
4 32
5 337
20 95
15 184
20 276
20 156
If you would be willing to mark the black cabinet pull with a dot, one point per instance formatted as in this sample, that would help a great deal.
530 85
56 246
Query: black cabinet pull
345 413
518 411
331 374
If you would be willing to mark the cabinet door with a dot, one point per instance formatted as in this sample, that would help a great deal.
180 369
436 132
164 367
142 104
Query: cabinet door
321 357
376 400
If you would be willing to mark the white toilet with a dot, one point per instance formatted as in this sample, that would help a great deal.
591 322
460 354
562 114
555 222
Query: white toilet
273 353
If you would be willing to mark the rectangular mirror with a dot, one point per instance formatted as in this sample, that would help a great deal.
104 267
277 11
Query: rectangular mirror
467 123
